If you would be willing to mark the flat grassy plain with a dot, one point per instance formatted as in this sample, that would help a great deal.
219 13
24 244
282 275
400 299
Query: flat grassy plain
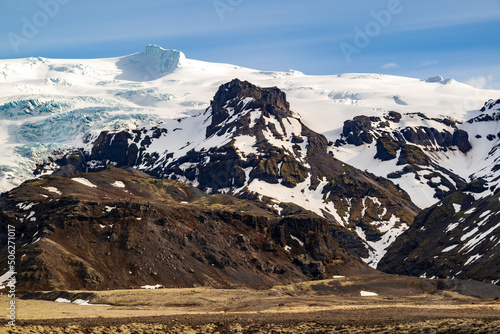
331 306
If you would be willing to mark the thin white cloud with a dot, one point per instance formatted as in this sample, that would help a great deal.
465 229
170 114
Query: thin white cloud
390 65
482 81
428 63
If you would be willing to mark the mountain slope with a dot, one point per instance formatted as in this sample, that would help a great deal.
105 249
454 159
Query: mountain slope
408 149
459 236
119 229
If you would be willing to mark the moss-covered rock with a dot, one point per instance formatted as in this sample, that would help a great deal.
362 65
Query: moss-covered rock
413 155
387 148
292 171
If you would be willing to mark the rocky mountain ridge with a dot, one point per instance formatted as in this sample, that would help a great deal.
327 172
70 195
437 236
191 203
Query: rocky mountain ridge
255 145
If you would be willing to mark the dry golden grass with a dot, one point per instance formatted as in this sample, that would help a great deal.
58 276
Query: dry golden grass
309 307
446 326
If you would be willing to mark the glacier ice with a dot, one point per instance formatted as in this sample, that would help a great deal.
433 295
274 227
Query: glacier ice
165 61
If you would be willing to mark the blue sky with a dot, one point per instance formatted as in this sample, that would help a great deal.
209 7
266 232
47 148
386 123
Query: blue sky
454 38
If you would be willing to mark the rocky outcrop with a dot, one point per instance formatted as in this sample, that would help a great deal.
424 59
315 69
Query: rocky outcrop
358 131
414 147
387 148
365 130
236 96
461 140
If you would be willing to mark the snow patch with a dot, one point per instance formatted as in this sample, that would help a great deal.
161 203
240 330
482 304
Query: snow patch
118 184
447 249
368 294
53 190
298 240
109 208
62 300
152 287
83 181
472 259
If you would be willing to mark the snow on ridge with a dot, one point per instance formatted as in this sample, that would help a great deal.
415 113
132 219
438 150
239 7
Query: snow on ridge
84 181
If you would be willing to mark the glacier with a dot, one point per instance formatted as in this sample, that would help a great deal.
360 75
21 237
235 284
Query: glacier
42 100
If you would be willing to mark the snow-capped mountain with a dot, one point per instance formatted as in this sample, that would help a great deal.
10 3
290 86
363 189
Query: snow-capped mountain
152 110
249 143
47 104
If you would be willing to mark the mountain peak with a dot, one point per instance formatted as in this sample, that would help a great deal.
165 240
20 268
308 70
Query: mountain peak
164 60
242 89
237 96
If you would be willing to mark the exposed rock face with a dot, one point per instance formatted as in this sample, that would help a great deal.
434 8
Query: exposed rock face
118 229
358 131
397 138
491 105
459 237
236 96
461 140
124 148
254 144
387 148
364 130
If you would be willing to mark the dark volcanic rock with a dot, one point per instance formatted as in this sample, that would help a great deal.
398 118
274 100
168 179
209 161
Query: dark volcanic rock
132 230
393 116
252 135
387 148
461 140
230 100
413 155
456 238
358 130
